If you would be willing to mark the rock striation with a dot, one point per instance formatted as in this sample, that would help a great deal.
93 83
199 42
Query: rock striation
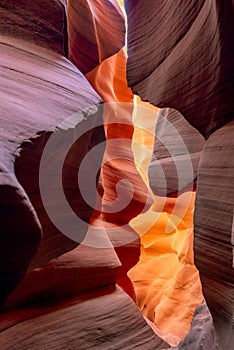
180 56
40 89
176 154
213 222
58 293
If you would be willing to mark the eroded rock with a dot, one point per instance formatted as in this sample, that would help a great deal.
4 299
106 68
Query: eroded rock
40 89
180 56
214 230
176 154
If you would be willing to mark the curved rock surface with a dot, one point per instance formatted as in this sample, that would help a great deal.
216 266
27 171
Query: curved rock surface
105 319
96 31
54 299
166 281
68 297
176 154
202 332
42 23
39 90
119 164
213 243
180 55
55 281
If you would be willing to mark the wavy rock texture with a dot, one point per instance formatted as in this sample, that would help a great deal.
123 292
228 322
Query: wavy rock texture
96 31
180 56
179 242
42 23
40 89
55 281
176 154
202 333
214 230
68 299
165 279
103 319
118 164
113 88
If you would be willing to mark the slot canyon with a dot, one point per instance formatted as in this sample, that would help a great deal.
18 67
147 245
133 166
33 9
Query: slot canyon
117 175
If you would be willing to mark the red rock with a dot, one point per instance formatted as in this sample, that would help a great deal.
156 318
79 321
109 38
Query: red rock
42 22
96 31
104 319
121 201
79 271
40 89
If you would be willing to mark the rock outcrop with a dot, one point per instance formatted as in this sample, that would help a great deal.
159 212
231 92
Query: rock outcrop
96 32
105 319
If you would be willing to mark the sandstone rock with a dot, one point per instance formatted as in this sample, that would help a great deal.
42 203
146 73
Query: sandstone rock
202 333
214 230
176 154
42 22
180 55
20 232
96 32
39 90
125 194
79 271
104 319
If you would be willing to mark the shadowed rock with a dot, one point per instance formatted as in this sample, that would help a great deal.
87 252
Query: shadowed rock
39 90
42 22
104 319
176 154
180 55
214 230
202 333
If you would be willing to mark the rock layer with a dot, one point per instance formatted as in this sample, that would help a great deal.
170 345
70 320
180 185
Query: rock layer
119 165
96 32
176 154
42 23
166 281
106 319
180 56
68 298
214 230
40 89
202 333
74 273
